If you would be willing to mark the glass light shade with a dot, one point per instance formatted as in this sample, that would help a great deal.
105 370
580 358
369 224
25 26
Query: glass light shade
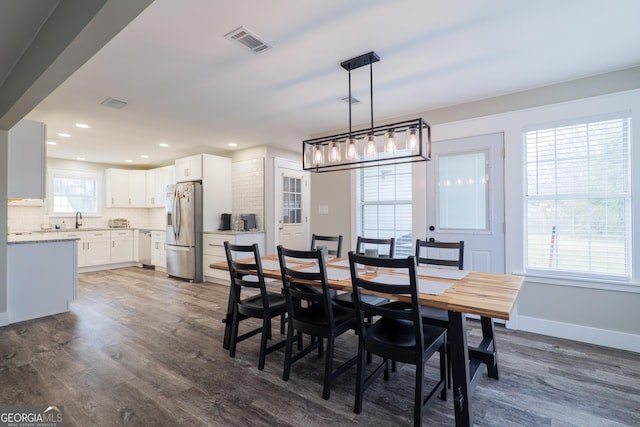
412 139
352 149
371 149
390 144
334 152
318 157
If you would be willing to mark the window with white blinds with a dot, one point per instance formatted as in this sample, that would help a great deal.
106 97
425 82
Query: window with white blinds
385 205
577 198
73 191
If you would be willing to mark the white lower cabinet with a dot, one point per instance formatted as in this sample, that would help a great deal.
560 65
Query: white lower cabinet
93 247
102 247
213 250
121 246
97 250
159 249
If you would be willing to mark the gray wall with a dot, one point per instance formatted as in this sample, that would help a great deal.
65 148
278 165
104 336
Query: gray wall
333 189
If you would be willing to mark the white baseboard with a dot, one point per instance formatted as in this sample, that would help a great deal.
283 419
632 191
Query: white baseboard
605 337
4 318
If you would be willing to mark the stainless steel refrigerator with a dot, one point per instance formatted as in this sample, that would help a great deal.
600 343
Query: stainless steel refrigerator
184 231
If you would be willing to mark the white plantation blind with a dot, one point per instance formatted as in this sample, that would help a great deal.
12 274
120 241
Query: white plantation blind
385 205
578 198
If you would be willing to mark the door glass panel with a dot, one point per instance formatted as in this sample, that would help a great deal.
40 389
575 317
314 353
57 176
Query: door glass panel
291 200
463 191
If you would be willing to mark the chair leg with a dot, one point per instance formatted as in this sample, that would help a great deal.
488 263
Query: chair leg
328 368
287 352
419 402
444 369
266 333
357 406
234 333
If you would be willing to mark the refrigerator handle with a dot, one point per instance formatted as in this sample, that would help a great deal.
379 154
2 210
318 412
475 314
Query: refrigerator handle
176 214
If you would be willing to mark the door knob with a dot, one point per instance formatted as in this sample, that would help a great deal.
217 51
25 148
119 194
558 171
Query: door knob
431 228
431 239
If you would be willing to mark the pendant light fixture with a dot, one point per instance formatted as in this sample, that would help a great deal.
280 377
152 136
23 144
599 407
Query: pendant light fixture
404 142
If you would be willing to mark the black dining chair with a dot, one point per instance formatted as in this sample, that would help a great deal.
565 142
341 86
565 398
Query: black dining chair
388 246
385 247
247 277
312 312
425 256
398 334
335 241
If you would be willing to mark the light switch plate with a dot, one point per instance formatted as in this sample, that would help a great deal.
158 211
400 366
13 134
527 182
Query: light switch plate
323 209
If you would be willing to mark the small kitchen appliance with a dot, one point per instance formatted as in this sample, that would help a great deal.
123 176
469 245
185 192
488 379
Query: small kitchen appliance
225 221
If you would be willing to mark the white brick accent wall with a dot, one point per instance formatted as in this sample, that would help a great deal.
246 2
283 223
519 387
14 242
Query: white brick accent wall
247 184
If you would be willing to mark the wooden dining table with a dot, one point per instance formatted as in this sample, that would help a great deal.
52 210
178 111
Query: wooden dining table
488 295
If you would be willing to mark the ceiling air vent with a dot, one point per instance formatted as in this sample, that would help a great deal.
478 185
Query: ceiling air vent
248 40
348 100
114 103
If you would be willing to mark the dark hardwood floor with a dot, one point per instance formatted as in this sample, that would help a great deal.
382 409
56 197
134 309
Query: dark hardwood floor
140 349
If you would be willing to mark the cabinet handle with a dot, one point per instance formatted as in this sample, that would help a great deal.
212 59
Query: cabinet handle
113 243
87 245
129 201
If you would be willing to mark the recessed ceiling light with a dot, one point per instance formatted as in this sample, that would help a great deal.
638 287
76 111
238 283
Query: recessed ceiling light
51 143
79 158
82 125
162 144
64 135
144 156
232 144
129 161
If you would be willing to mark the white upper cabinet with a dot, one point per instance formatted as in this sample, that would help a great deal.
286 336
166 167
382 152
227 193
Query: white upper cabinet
137 189
125 188
27 160
189 168
157 181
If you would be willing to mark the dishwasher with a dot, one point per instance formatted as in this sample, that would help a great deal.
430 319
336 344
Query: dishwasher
144 249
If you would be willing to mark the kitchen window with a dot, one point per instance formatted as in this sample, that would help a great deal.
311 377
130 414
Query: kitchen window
577 198
385 205
73 191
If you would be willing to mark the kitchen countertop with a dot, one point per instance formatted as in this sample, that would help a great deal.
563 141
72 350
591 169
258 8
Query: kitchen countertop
35 238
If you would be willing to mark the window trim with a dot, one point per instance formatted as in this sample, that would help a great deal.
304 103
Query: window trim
74 173
592 280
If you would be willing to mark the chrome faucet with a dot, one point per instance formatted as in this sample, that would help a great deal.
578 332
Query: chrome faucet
78 219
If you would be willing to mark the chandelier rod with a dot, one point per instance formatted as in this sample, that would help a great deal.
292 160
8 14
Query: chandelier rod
371 88
350 102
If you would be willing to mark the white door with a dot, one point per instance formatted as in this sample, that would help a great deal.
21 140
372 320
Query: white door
465 198
292 208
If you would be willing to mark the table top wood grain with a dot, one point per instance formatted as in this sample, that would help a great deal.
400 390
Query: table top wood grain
484 294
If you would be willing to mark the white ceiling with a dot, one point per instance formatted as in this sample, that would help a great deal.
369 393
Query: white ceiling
189 87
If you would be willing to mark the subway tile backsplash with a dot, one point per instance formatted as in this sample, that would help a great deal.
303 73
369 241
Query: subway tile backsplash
247 183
